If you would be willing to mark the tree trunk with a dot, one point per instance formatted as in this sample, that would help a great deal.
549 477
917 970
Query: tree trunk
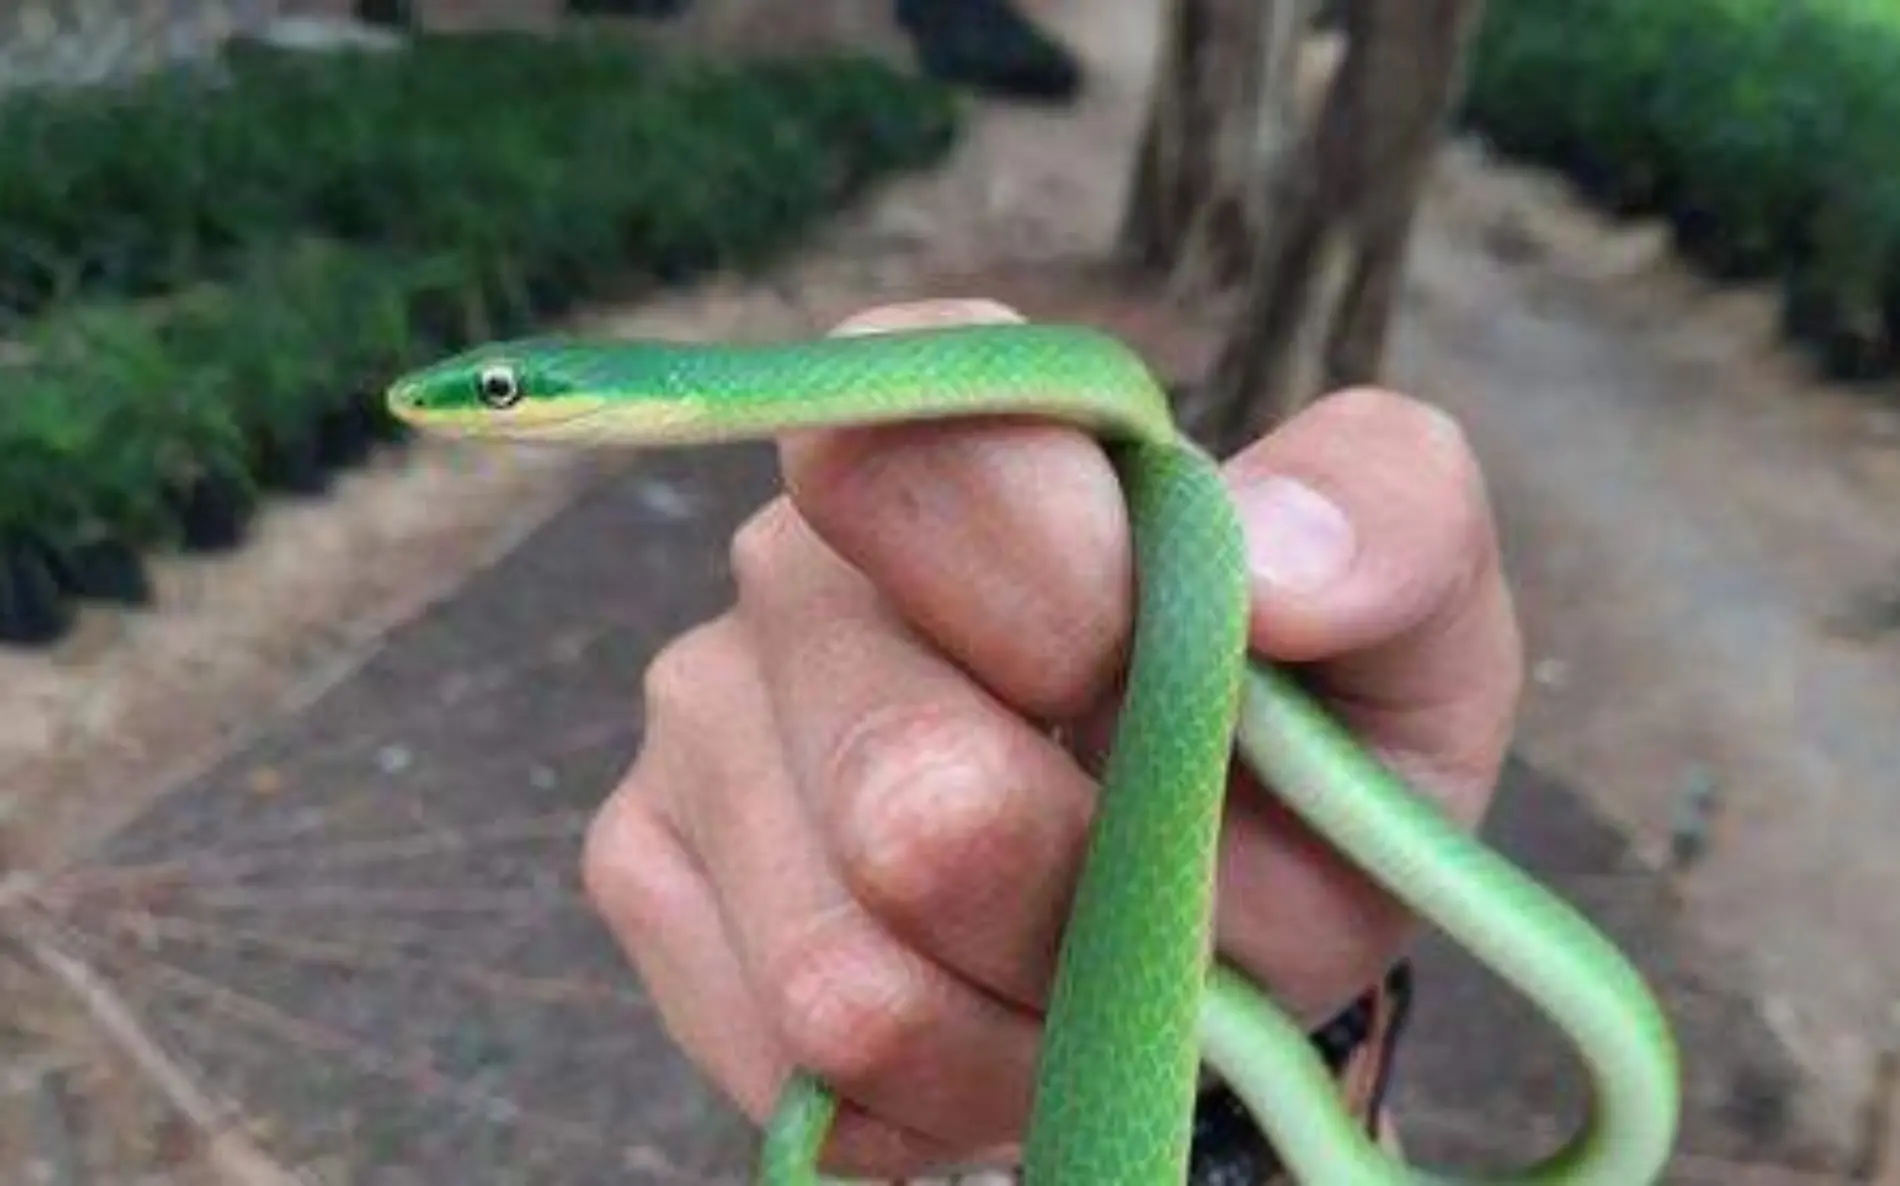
1221 112
1340 206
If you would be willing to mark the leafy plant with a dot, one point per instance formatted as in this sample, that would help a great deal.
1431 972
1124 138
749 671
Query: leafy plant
1761 131
209 284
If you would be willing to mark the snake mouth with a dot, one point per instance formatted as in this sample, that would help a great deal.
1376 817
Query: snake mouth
533 419
577 419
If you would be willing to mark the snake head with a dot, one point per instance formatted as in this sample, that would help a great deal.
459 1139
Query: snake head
521 389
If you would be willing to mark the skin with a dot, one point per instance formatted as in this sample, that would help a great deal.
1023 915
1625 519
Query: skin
849 835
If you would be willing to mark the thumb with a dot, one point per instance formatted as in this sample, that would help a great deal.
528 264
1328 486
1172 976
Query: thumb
924 315
1374 558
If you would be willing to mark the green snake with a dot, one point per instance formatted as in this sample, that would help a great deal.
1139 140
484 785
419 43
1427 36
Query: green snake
1140 999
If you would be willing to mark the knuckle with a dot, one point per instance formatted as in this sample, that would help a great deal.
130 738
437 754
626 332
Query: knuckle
685 672
760 547
929 796
668 683
848 1008
629 868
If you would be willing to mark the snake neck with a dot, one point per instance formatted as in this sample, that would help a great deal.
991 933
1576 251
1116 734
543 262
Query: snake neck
666 393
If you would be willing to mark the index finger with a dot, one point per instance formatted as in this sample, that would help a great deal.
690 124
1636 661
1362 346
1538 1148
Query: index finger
1005 543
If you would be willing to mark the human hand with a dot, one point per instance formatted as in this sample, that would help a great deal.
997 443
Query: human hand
848 840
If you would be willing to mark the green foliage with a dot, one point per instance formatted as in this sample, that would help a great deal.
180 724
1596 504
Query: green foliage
113 428
1762 131
500 144
211 281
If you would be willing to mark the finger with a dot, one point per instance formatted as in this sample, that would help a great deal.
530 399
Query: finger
1004 542
1375 560
660 910
955 822
887 1028
1375 556
925 314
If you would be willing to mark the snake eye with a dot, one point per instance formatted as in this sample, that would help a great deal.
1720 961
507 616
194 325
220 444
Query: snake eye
498 387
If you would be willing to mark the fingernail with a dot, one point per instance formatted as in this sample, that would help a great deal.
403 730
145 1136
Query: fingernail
1297 539
925 314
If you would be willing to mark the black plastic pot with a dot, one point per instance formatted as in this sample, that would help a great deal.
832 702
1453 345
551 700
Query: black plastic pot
1623 189
1858 350
32 610
100 569
1806 313
343 437
1890 302
293 465
1705 239
394 14
1849 344
639 8
214 512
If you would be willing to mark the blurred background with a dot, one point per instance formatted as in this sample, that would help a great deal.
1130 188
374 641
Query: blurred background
301 721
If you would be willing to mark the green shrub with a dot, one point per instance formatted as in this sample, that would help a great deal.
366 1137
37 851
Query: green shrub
212 290
1761 131
588 149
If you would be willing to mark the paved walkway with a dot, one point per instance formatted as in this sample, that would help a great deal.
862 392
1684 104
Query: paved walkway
413 984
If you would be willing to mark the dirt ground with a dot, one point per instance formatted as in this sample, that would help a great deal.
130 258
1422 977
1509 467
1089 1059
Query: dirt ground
1700 537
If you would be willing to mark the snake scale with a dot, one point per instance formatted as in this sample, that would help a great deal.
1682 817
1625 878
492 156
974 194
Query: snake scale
1140 998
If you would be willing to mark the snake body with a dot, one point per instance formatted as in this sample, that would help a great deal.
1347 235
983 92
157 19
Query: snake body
1140 1000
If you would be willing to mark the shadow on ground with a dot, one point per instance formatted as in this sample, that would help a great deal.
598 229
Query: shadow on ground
1486 1081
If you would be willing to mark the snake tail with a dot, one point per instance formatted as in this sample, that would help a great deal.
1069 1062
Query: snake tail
1537 943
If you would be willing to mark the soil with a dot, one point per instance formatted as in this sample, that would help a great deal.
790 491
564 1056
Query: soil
1700 535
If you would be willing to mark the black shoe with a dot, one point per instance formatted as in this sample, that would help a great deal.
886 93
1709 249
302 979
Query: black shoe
988 45
648 9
